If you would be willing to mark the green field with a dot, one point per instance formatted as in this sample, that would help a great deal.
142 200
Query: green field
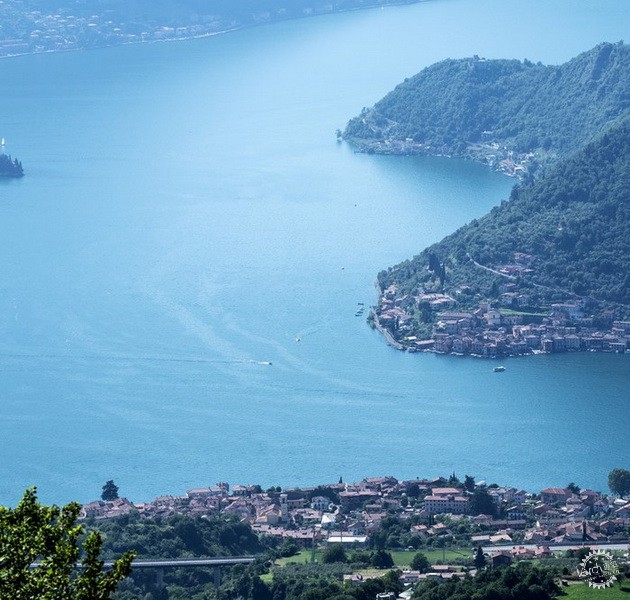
509 311
401 558
302 557
581 591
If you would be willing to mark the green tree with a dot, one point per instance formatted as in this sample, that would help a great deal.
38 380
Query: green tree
480 559
48 537
381 559
619 482
334 553
469 483
391 579
481 503
420 563
110 491
573 488
453 480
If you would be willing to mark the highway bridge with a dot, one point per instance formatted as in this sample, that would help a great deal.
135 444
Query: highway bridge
215 563
159 564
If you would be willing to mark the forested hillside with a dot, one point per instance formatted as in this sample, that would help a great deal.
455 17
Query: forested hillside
574 223
482 108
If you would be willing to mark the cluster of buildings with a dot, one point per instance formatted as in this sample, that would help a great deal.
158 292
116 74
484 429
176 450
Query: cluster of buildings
497 156
349 513
46 32
497 329
500 157
28 31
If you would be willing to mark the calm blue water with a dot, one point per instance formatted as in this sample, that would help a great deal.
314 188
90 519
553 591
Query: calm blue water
187 214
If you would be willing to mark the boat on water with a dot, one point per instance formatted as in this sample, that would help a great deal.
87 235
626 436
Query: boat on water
499 369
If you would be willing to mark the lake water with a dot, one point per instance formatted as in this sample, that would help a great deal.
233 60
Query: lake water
187 214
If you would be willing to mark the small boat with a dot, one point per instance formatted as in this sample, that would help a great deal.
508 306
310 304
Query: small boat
499 369
2 142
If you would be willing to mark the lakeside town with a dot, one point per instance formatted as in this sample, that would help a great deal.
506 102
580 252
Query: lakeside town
27 30
39 31
498 157
506 326
432 513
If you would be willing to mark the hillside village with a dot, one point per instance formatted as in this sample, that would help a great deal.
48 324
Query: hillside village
506 326
432 512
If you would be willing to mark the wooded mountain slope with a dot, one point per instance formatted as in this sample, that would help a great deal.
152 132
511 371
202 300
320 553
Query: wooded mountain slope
574 221
527 107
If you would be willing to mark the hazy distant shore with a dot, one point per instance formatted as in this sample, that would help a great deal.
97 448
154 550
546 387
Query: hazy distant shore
190 35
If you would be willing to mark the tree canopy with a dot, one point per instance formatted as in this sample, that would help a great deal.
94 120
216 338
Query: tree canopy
40 552
110 491
420 562
520 582
619 482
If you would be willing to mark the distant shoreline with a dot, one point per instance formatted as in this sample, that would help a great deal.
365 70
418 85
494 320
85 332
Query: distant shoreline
209 33
134 43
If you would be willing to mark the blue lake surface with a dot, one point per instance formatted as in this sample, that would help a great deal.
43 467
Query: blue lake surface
187 214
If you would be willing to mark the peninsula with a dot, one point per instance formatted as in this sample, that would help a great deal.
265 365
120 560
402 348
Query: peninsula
512 115
547 270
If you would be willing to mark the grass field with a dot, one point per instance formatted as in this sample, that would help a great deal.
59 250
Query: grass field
581 591
401 558
301 557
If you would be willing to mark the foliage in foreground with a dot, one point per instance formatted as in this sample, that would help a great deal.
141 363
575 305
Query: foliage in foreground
48 537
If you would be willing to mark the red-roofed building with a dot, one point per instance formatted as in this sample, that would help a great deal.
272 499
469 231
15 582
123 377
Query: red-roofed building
445 491
554 495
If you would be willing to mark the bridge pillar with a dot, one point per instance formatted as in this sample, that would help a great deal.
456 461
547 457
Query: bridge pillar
159 579
217 575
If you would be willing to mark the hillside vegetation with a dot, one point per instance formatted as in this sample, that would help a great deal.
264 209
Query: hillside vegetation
454 105
574 221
